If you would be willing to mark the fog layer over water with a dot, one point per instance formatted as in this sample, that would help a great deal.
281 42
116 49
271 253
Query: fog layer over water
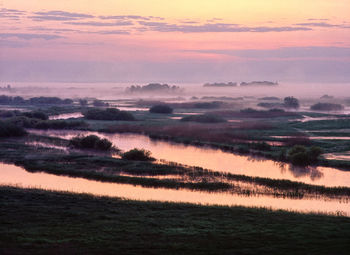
116 90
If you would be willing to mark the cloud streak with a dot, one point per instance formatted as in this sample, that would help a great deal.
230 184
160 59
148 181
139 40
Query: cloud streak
316 24
100 24
216 27
59 16
27 36
11 14
130 17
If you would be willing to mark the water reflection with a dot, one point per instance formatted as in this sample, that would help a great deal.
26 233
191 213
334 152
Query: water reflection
65 116
312 172
15 176
217 160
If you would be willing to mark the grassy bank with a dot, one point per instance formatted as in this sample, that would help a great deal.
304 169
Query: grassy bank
41 222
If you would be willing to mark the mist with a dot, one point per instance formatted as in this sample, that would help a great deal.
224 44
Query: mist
320 71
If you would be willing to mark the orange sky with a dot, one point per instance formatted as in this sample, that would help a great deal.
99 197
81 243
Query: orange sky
164 30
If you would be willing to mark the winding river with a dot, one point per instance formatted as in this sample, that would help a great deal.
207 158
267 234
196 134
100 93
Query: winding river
218 160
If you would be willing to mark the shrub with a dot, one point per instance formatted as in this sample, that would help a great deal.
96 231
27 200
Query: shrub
9 129
161 108
9 114
36 115
300 155
90 142
107 114
314 152
138 154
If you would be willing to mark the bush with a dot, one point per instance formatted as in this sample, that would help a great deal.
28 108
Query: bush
36 115
300 155
205 118
138 154
90 142
314 152
11 100
9 129
107 114
161 108
9 114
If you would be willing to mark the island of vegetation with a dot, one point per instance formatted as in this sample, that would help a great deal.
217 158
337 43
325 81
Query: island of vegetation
327 107
220 84
138 155
288 103
327 97
154 88
107 114
91 142
259 83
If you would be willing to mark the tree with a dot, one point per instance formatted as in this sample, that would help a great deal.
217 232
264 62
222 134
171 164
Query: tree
300 155
291 102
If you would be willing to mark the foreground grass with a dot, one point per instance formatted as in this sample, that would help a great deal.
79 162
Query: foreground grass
41 222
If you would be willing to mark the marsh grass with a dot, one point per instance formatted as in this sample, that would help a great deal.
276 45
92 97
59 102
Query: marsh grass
42 222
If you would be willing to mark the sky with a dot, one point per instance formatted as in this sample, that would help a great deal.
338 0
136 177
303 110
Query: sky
174 41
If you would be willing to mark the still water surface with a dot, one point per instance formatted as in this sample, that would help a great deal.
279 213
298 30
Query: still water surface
16 176
218 160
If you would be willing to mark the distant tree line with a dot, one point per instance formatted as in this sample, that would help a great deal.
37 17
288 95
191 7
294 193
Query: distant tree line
17 100
288 103
37 120
153 87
